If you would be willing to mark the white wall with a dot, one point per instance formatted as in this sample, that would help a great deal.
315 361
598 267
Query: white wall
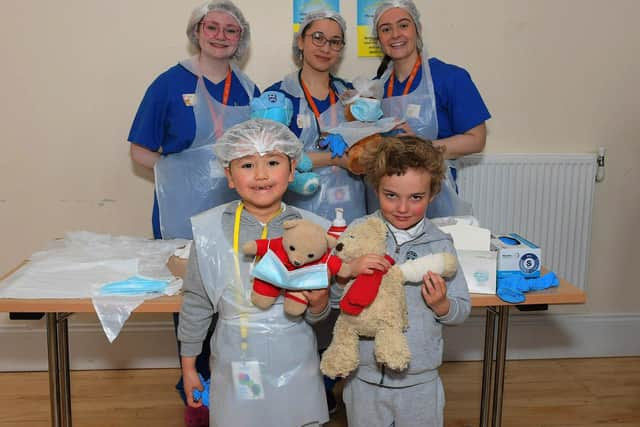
558 76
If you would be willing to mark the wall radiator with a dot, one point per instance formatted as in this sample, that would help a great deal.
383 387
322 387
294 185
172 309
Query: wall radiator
546 198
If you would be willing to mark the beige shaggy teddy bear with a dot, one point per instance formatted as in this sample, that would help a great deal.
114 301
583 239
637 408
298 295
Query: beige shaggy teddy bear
385 319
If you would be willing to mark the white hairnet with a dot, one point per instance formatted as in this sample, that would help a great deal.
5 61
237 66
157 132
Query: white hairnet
408 6
311 16
256 136
220 6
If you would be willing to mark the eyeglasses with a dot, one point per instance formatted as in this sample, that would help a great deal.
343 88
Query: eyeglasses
211 29
319 39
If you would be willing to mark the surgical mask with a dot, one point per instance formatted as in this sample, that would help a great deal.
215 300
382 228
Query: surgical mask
366 109
272 270
134 285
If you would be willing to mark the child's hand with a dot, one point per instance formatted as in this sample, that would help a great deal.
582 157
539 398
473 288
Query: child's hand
434 292
366 264
191 381
318 299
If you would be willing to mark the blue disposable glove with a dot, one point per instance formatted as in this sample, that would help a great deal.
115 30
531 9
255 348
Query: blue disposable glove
336 145
512 288
202 396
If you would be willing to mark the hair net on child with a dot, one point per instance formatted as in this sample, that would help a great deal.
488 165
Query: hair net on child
220 6
408 6
311 16
256 136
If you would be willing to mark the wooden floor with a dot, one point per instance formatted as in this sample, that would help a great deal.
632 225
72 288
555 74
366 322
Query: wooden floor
567 392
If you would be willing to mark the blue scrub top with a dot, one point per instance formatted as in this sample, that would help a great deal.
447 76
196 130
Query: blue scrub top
165 123
321 104
459 106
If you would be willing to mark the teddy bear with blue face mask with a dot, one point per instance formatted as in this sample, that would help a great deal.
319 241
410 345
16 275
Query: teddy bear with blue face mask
364 123
276 106
300 260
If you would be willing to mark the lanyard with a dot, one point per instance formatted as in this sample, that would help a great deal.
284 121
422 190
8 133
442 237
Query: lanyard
218 128
244 316
412 76
312 104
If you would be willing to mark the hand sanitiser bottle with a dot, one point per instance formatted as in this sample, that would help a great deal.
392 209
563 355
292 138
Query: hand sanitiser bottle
338 225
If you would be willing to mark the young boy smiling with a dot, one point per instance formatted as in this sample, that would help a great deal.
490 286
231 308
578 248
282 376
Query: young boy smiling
264 364
406 173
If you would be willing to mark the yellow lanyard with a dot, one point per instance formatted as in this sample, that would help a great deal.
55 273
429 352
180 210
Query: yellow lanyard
244 315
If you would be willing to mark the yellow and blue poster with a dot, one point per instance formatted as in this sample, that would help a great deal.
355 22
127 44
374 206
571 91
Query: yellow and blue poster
367 45
301 7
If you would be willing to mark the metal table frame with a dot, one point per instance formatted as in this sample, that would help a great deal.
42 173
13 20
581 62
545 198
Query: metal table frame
58 310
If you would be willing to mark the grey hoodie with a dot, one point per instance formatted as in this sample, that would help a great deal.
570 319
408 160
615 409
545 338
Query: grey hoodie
424 333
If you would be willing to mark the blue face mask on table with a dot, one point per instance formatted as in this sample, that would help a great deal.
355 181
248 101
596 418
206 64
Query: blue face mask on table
272 270
135 285
366 109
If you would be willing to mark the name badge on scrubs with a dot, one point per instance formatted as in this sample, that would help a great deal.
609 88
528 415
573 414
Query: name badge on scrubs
303 121
247 380
413 111
189 99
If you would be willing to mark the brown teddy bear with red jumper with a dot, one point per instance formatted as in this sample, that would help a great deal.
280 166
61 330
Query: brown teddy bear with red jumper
303 255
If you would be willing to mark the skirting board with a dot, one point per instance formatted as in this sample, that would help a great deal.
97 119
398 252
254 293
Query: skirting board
153 345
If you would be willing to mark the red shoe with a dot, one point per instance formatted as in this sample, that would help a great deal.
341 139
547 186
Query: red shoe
196 417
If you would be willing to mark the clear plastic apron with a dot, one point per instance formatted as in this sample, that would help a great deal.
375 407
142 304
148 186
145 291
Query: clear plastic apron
418 108
192 180
338 187
283 350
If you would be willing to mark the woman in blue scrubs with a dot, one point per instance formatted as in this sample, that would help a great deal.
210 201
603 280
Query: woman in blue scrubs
439 101
314 92
182 114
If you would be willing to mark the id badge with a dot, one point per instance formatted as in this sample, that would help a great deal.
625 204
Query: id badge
247 380
303 121
413 111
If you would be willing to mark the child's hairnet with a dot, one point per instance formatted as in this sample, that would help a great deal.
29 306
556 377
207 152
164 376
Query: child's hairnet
408 6
256 136
220 6
311 16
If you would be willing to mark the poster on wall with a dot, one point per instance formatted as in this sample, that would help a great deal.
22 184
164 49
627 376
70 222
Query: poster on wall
300 8
367 45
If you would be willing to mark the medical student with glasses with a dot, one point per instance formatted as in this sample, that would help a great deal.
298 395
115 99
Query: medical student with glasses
315 92
439 101
183 112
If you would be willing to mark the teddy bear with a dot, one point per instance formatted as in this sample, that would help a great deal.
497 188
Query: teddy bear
363 125
383 315
300 259
273 105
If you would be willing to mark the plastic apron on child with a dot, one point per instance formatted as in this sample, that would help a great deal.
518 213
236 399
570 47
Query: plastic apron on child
264 365
192 180
418 108
338 187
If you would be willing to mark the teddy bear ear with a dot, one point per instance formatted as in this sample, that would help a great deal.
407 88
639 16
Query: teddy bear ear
289 224
331 241
378 225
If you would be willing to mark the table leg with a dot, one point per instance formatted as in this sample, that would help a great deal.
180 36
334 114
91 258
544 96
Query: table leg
501 358
54 368
487 364
63 357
